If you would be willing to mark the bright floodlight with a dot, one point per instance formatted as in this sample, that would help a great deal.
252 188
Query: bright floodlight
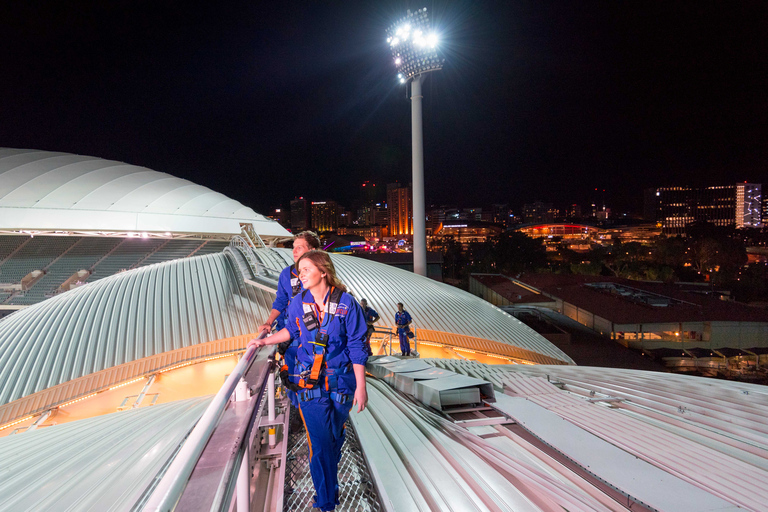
413 48
413 45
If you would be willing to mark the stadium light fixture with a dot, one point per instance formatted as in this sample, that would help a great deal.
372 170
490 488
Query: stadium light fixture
413 45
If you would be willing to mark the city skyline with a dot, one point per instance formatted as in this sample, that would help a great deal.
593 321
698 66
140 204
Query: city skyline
537 101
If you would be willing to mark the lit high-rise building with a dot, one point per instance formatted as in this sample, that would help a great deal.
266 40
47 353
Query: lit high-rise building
400 205
325 215
731 205
748 205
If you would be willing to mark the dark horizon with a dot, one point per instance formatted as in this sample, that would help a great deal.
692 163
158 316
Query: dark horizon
537 100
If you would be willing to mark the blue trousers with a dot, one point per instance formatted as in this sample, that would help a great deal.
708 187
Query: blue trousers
324 420
290 362
405 343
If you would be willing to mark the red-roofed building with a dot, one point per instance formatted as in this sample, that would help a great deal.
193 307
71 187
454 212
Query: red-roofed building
642 314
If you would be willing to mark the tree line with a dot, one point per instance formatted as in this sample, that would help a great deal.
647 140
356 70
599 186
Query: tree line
707 254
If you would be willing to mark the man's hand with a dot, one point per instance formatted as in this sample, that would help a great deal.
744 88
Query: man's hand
266 327
361 398
255 343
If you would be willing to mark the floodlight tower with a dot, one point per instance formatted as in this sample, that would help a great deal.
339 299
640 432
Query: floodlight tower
413 50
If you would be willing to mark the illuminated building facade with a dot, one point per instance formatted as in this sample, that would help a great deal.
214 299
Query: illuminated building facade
400 205
677 207
568 231
467 232
748 205
325 215
370 233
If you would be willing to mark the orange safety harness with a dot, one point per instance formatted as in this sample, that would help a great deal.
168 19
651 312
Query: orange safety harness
309 377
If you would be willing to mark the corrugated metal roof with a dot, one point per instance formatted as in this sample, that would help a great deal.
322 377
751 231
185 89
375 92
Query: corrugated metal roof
100 464
433 305
712 434
684 306
125 317
423 461
61 191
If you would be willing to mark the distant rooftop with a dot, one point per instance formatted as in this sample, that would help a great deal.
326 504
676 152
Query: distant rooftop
622 301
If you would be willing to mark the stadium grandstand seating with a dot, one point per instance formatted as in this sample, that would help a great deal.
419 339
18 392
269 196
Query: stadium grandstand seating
36 254
211 246
8 244
62 256
125 256
81 256
175 249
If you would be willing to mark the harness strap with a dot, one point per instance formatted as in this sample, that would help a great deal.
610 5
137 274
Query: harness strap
320 343
295 283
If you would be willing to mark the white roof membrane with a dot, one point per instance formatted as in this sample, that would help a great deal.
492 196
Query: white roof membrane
44 190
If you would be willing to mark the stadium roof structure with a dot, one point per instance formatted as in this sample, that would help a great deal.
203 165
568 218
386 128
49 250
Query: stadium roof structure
132 323
553 437
545 437
44 191
442 314
122 327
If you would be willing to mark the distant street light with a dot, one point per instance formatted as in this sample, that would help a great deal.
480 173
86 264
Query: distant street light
413 49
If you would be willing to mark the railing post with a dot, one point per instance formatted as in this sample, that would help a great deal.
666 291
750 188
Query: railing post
271 407
244 483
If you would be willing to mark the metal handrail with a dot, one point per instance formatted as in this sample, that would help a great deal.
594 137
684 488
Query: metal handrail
391 330
168 491
240 244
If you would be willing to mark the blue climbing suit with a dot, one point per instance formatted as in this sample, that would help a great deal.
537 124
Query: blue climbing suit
288 285
328 344
401 319
369 314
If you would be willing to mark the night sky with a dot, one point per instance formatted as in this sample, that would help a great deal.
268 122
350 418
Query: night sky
266 101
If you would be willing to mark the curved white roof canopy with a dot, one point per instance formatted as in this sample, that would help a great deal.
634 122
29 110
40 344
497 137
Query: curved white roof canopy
47 191
123 318
433 305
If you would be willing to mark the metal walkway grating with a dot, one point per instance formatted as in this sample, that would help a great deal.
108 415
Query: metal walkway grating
356 489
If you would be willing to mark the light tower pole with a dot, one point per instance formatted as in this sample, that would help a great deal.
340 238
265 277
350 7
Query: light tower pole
413 49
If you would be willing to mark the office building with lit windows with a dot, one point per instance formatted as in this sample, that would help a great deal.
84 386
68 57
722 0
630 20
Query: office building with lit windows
749 205
325 215
675 208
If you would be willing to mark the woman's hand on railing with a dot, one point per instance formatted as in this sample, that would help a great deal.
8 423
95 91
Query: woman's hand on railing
256 342
279 337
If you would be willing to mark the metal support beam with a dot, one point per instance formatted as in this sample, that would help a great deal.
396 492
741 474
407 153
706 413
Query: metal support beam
143 393
40 420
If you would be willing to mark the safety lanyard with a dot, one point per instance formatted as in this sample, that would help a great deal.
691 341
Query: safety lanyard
320 342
